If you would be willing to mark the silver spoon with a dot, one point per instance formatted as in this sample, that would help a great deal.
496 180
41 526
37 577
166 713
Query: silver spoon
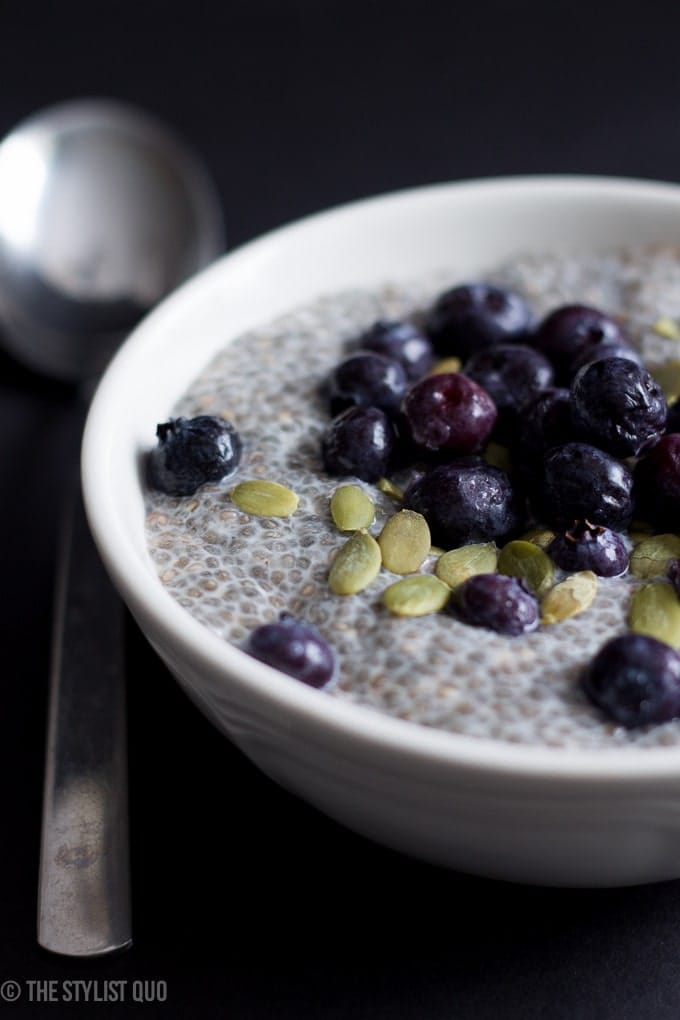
103 211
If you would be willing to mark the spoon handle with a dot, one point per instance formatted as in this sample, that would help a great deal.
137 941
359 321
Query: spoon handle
84 888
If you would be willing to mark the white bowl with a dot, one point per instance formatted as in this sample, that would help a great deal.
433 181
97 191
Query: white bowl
532 814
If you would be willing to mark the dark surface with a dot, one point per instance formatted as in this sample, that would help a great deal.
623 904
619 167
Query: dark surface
248 903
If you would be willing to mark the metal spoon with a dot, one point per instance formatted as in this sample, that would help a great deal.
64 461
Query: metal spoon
103 211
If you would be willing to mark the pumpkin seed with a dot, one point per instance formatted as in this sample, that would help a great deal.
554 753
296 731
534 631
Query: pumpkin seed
539 536
650 556
456 565
641 527
416 596
655 610
639 535
446 365
264 499
667 328
356 564
498 456
351 508
404 542
668 378
530 563
390 489
569 597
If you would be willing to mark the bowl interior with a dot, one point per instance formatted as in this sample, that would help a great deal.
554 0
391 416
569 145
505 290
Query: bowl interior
461 228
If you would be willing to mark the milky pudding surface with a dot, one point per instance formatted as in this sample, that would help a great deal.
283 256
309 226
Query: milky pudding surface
233 571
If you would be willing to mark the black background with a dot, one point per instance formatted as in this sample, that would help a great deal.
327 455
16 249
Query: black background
248 903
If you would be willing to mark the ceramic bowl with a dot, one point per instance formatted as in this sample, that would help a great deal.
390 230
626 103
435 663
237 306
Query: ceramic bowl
530 814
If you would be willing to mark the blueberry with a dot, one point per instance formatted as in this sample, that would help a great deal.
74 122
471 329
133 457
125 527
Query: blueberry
367 379
635 680
466 501
448 413
472 316
401 341
571 330
657 484
587 546
582 482
294 648
605 349
360 441
545 422
496 601
192 451
618 406
512 374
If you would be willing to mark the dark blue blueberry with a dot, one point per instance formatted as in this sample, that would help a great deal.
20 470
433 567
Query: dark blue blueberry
466 501
587 546
657 484
295 648
448 413
367 379
361 441
635 679
545 422
191 452
401 341
606 349
473 316
618 406
512 374
571 330
496 601
582 482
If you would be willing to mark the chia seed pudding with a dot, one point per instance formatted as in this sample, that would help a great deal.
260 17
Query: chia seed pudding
235 571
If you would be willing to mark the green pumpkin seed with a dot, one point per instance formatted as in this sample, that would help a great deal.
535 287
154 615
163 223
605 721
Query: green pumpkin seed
529 562
416 596
456 565
390 489
539 536
569 597
351 508
264 499
445 366
668 378
356 564
651 555
655 610
404 542
639 532
667 328
498 456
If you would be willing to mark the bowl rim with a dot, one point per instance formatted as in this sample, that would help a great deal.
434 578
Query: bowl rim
334 718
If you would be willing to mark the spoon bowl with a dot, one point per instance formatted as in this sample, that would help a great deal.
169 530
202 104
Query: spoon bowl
103 211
